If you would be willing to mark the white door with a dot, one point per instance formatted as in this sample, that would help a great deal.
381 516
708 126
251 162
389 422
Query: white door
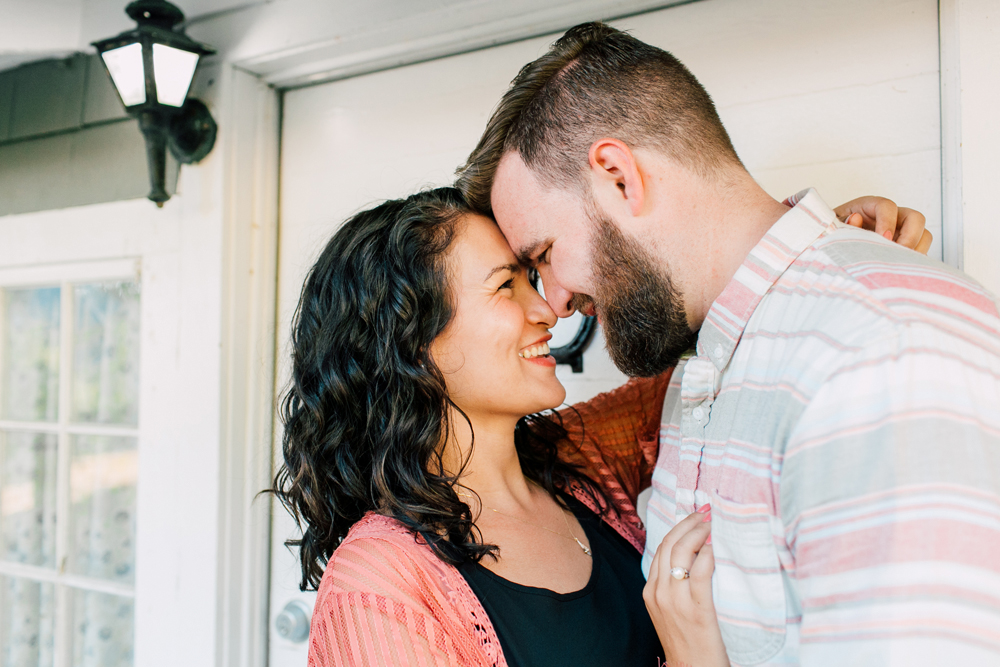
842 95
108 431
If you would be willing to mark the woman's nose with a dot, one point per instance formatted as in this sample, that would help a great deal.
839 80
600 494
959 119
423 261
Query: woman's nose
540 312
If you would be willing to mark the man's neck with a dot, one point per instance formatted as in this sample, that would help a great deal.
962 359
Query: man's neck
717 227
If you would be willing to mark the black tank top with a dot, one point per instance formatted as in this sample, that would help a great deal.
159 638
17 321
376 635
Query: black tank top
603 624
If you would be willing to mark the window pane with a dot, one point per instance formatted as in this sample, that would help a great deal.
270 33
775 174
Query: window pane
30 360
106 353
27 614
102 630
102 478
28 497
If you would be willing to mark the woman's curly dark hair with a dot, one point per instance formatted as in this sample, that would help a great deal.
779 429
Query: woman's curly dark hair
367 412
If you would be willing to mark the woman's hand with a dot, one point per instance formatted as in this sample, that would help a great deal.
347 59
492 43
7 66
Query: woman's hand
880 215
682 609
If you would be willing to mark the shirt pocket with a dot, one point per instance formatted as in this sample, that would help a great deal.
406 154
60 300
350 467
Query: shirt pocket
747 587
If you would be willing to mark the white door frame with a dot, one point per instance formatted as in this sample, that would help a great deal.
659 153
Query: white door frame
970 135
952 243
249 118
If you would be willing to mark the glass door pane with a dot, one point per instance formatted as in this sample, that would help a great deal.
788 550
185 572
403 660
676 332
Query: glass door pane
103 475
30 382
102 630
68 473
27 620
106 353
28 498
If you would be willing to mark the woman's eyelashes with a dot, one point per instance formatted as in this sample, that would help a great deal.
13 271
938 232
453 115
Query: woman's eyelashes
544 257
509 284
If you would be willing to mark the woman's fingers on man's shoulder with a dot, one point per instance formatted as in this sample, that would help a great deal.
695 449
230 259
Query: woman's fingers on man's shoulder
905 226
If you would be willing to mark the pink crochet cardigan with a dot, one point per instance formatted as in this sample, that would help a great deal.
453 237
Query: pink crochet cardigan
386 599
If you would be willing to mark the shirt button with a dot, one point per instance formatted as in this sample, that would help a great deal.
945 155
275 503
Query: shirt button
718 352
698 413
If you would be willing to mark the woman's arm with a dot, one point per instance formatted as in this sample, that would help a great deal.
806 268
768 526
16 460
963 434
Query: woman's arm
366 630
614 437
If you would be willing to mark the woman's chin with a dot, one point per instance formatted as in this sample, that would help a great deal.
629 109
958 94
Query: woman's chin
541 395
557 399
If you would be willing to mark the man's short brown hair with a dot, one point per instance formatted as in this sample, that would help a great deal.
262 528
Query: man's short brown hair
597 82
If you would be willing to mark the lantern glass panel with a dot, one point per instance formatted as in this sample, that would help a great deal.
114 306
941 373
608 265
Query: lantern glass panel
174 69
125 66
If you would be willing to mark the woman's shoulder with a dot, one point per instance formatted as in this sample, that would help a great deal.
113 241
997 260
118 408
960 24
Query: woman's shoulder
382 557
384 572
375 545
379 528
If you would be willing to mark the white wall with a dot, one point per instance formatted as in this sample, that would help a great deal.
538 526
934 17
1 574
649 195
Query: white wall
34 29
842 96
38 29
972 86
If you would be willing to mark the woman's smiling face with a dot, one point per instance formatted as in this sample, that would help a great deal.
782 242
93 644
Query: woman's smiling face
494 352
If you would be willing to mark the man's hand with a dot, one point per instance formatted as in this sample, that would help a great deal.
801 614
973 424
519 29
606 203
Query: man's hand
880 215
682 609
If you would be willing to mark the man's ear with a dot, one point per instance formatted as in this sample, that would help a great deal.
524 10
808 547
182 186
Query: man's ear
615 175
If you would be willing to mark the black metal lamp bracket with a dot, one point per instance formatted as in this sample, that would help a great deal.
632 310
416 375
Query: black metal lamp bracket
192 132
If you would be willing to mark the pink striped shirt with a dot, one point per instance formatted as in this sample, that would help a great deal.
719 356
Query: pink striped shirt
842 416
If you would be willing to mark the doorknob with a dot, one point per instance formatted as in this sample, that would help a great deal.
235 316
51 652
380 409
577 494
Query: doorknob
293 621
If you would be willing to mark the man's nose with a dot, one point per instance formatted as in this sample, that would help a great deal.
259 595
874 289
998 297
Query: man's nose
557 296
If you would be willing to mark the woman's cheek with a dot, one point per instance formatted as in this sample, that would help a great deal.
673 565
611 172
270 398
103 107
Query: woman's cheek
512 321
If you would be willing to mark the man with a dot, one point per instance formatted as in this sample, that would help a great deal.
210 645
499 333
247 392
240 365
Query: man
841 413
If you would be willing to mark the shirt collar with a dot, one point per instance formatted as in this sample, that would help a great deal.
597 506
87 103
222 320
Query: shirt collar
788 238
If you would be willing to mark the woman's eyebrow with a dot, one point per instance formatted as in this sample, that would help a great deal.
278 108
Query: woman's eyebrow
513 268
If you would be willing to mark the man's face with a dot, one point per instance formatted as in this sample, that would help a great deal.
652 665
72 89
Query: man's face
586 263
548 229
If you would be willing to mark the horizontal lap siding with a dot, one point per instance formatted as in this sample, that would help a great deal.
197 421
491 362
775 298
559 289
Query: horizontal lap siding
841 96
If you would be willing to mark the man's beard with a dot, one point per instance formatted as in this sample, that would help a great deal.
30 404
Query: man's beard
645 324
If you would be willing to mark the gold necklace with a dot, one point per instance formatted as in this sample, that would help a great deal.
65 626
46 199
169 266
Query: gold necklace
569 530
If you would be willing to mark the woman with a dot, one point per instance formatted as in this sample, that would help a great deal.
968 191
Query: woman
457 526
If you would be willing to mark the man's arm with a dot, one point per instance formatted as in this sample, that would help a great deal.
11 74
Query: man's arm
890 498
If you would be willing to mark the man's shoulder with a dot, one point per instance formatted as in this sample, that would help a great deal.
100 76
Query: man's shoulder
848 272
853 300
888 270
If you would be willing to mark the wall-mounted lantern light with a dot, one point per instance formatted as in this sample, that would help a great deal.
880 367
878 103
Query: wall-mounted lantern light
152 67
